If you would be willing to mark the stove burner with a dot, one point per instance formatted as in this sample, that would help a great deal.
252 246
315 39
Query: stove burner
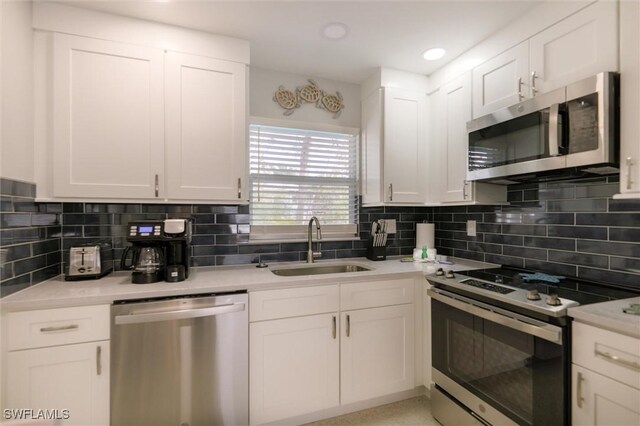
487 286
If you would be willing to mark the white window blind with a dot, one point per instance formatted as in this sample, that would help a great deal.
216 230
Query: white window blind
296 174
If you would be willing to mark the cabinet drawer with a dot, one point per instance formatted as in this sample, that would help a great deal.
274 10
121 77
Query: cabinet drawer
606 352
53 327
372 294
291 302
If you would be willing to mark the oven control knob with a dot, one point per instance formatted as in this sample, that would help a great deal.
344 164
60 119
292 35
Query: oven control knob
533 295
450 274
440 272
553 300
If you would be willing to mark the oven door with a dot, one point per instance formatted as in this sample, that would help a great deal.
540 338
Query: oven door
504 367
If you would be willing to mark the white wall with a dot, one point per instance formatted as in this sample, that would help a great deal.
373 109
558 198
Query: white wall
264 83
16 91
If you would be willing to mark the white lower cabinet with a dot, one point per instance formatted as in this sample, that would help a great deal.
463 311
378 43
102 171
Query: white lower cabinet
599 400
57 361
294 367
377 352
605 377
72 379
356 349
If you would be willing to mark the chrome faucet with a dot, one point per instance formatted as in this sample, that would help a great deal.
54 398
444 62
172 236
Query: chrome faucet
310 253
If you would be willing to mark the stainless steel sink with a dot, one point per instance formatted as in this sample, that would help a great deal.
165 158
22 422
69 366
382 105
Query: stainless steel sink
319 269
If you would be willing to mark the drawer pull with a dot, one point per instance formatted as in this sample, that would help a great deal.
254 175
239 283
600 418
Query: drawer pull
99 360
60 328
617 360
579 397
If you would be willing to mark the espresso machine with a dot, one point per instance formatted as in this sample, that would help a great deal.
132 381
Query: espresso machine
159 250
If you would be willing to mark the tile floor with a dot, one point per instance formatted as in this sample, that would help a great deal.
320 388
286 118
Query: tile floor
414 411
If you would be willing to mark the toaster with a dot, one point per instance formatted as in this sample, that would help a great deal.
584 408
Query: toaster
90 261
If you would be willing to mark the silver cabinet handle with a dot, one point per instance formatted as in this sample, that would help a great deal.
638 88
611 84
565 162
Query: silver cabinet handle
239 188
135 318
334 331
617 360
99 360
157 186
579 397
520 84
390 192
348 326
629 164
534 91
464 189
60 328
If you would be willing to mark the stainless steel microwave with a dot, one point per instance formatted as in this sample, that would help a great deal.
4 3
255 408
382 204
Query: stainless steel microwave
571 128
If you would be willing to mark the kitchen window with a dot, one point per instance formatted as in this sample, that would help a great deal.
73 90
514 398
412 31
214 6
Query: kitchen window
300 172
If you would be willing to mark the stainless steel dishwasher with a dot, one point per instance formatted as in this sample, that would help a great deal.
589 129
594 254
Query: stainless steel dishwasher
180 361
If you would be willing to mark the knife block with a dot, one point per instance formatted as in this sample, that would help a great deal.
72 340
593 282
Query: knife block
376 253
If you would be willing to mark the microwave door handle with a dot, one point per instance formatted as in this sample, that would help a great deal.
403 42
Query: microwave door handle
554 127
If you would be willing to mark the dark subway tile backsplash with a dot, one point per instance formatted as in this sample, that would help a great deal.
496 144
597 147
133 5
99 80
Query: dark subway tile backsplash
565 228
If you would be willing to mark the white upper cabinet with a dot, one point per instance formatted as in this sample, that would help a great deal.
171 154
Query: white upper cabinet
394 139
502 81
108 119
404 145
455 107
206 128
132 110
577 47
629 100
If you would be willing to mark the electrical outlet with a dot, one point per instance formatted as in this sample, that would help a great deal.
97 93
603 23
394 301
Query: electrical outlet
391 226
471 228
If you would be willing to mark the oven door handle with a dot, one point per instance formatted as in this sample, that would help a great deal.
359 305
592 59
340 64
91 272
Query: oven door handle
517 322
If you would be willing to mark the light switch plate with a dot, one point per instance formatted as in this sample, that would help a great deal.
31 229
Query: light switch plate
471 228
391 226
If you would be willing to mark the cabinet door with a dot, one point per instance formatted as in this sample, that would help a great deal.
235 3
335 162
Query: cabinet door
206 128
71 377
455 104
577 47
108 124
404 146
599 400
377 352
629 99
371 148
294 367
502 81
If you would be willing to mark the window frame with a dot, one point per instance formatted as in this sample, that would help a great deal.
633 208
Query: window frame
298 233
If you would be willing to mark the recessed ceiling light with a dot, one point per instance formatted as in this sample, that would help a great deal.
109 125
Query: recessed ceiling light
335 31
433 54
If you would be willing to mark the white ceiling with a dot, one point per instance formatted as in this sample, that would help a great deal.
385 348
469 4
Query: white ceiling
286 35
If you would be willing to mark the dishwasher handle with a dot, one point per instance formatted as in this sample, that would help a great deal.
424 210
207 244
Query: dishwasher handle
134 318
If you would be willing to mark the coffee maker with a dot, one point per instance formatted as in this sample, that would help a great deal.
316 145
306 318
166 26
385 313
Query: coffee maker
160 250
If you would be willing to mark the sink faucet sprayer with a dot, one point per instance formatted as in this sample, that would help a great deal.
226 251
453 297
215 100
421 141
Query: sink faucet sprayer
310 253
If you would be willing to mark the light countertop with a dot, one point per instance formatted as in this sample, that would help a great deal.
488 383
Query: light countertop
57 292
609 315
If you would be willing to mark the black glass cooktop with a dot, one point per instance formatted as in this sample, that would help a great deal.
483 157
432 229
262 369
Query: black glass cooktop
581 291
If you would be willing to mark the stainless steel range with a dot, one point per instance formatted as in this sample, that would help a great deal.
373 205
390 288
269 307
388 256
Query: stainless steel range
501 345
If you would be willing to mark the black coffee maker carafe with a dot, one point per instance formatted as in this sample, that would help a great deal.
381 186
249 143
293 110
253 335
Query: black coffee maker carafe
147 263
160 251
